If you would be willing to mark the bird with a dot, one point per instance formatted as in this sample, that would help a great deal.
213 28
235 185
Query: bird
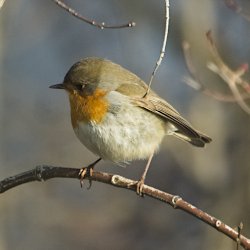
116 116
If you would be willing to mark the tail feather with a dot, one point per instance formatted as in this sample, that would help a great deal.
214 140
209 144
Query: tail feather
199 141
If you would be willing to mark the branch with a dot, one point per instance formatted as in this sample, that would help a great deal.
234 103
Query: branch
163 49
91 22
233 78
195 82
44 172
237 8
1 3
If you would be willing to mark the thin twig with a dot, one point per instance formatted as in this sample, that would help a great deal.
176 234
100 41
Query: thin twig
1 3
237 8
45 172
239 87
232 78
92 22
163 49
195 82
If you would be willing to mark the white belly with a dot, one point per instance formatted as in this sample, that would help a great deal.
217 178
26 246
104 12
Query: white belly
126 133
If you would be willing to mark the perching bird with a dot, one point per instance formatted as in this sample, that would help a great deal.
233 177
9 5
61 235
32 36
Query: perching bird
113 118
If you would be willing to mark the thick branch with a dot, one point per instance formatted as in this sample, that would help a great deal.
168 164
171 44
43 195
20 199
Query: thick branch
43 173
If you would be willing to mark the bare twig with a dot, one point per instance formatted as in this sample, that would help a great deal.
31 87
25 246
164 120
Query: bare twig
195 82
233 78
163 49
1 3
43 173
92 22
237 8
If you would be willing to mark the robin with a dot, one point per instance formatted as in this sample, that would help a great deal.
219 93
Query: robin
115 116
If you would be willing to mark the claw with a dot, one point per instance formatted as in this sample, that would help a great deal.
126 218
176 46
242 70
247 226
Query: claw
87 172
84 172
139 187
90 174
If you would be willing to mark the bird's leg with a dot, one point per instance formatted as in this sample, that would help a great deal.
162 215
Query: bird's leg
87 172
140 183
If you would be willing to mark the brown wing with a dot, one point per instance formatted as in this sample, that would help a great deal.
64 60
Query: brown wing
184 129
157 105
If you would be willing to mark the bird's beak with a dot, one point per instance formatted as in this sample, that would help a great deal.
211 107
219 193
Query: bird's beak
58 86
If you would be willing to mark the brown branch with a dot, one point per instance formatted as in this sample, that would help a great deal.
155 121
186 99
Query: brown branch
101 25
43 173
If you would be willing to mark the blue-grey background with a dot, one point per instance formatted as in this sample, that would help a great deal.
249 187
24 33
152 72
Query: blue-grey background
38 43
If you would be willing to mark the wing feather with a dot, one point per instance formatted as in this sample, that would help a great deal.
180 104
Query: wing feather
155 104
184 129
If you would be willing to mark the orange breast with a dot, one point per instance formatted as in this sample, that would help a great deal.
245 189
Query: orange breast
88 108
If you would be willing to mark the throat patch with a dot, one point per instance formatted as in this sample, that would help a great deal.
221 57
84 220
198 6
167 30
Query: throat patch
88 108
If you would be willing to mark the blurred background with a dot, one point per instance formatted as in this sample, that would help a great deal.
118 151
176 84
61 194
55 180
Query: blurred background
39 42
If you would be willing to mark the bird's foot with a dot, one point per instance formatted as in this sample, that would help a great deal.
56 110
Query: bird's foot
86 173
139 187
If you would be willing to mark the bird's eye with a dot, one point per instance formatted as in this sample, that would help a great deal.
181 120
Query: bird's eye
79 86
